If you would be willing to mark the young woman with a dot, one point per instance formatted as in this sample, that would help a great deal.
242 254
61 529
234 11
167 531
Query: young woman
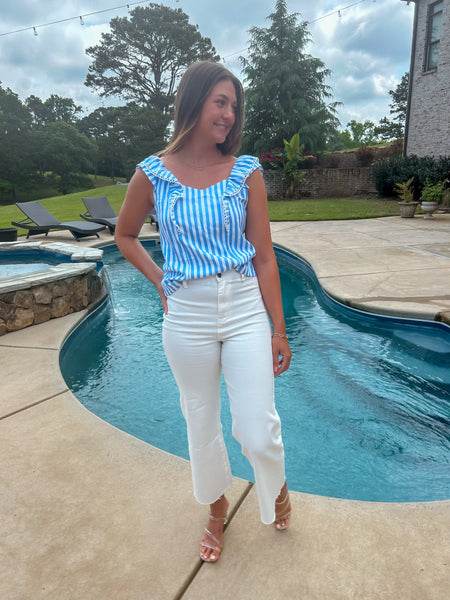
218 288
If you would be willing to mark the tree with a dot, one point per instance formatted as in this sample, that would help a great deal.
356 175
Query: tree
394 129
55 108
124 135
16 160
285 87
142 58
362 133
67 153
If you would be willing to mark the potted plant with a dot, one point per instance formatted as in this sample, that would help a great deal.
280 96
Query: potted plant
405 191
431 197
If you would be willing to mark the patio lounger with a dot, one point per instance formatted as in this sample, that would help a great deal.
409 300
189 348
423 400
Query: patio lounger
39 220
99 210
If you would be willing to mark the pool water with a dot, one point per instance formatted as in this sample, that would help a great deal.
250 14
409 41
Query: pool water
18 262
365 405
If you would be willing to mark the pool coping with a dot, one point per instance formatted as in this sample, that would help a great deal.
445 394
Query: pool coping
92 512
83 260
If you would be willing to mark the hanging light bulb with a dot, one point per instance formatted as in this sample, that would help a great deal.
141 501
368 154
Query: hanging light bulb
81 20
34 31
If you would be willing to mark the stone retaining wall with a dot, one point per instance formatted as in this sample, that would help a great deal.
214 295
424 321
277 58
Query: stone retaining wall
325 183
25 307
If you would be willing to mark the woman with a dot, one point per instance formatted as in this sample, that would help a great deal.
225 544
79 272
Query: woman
219 286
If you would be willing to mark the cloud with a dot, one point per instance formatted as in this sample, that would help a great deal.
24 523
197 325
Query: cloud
367 48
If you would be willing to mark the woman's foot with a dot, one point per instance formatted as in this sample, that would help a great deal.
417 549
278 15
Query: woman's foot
282 509
211 542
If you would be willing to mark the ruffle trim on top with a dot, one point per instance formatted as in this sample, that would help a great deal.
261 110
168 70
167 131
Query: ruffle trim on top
154 168
244 166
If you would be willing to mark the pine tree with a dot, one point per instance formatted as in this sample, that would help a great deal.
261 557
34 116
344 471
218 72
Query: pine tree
285 87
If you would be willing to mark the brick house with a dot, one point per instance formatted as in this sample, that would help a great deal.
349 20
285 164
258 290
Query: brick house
427 131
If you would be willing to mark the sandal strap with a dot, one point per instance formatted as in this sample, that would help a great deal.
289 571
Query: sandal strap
223 519
218 545
281 503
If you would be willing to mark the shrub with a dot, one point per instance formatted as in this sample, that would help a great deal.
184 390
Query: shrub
398 169
308 161
273 159
365 156
405 191
432 192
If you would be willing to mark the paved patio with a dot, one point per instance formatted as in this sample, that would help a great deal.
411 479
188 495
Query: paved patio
91 513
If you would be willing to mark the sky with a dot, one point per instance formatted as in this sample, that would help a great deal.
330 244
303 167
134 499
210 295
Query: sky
366 44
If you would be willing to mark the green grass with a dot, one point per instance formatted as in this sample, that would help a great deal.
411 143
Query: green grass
328 209
68 208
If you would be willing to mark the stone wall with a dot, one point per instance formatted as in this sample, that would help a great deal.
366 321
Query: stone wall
25 307
428 131
325 183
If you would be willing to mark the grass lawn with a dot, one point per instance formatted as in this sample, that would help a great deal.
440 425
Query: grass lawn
68 208
328 209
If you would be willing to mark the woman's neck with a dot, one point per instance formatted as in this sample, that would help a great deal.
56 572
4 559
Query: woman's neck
200 156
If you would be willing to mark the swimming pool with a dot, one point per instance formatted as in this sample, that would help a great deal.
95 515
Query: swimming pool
16 263
365 406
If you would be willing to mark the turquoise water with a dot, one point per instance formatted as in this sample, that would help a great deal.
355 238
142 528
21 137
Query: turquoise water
17 262
365 405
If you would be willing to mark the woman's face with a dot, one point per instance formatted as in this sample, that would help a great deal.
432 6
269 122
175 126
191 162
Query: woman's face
218 112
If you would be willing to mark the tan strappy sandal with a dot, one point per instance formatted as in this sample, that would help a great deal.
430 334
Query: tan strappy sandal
282 511
212 542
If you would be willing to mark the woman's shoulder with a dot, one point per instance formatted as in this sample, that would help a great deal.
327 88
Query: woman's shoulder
154 168
245 165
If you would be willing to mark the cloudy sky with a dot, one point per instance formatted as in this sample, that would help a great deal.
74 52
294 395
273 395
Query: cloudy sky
366 44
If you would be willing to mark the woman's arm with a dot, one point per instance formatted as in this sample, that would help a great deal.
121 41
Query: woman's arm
135 209
257 233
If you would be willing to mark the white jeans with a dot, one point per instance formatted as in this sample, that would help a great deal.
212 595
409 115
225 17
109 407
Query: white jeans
216 324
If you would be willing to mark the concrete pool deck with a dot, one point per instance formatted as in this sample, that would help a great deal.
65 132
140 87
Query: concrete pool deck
91 513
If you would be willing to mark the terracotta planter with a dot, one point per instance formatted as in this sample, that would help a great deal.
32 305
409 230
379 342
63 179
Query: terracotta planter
407 209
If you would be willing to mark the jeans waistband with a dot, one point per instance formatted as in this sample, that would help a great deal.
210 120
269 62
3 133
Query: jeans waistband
221 276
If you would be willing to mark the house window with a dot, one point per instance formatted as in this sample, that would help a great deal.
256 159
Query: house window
434 35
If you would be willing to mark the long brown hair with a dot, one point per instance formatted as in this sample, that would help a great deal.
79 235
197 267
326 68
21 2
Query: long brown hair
195 86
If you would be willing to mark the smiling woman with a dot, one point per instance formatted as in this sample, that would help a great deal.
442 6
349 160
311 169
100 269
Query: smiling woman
219 289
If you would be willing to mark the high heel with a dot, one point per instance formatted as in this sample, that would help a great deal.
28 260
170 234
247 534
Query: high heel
282 511
212 542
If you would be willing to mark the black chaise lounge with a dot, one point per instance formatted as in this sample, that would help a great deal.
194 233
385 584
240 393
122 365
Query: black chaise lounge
99 210
39 221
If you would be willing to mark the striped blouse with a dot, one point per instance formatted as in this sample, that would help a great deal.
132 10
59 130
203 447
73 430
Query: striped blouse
202 231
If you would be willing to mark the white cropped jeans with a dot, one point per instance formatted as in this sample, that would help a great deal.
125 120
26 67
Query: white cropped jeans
214 324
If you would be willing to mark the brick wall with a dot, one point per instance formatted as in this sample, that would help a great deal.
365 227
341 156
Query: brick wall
325 183
429 121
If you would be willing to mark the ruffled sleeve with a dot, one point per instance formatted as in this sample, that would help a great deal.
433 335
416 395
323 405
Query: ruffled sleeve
242 169
154 168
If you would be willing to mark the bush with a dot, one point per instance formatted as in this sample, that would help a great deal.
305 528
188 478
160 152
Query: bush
273 159
398 169
365 156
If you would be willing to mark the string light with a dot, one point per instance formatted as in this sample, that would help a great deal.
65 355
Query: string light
74 18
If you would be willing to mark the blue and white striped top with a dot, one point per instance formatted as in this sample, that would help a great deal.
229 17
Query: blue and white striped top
202 231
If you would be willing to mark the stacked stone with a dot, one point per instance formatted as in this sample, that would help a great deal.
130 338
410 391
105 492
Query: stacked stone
25 307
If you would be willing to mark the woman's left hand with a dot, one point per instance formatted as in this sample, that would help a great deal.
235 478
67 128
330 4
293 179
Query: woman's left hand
281 355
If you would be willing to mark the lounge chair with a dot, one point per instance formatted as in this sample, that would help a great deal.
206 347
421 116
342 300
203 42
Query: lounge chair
99 210
39 221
